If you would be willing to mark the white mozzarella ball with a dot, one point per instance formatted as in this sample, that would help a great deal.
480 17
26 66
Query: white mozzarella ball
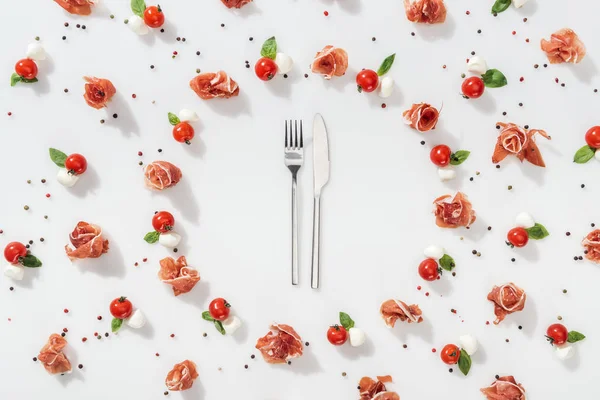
477 65
14 271
386 87
284 63
525 220
469 343
446 174
65 178
435 252
519 3
188 115
565 352
136 320
357 337
138 25
597 155
36 52
169 240
231 324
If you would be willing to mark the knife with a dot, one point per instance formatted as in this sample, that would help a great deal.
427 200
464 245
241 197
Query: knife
321 177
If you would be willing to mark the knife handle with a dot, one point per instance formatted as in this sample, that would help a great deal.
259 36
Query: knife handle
294 232
314 273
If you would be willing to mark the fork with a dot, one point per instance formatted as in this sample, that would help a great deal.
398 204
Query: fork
294 157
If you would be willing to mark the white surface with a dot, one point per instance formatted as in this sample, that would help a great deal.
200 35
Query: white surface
232 205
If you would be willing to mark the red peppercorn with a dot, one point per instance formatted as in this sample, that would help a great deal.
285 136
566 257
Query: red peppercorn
48 195
514 32
157 354
433 350
84 339
418 287
66 310
521 79
134 95
383 105
140 153
427 294
9 113
326 13
468 12
99 317
172 335
65 330
145 259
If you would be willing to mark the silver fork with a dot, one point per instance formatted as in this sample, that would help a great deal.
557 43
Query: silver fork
294 157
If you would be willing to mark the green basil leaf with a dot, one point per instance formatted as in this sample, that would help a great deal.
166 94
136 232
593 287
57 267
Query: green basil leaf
386 65
536 232
206 316
58 157
269 48
174 119
500 6
575 337
584 154
152 237
447 262
464 362
346 321
459 157
494 78
116 324
138 7
14 79
30 261
219 327
29 80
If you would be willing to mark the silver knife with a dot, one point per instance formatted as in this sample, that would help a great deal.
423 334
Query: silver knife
321 177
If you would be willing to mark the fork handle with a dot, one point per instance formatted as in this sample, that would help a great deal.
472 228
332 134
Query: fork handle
294 231
314 273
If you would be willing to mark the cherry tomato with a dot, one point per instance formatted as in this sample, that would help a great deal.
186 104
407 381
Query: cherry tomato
26 68
13 251
183 132
450 354
367 80
337 335
557 334
121 308
592 137
518 237
429 269
219 309
76 164
473 87
163 222
440 155
154 17
265 69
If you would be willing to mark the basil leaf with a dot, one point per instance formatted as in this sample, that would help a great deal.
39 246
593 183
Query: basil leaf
447 262
575 337
138 7
14 79
494 78
584 154
30 261
459 157
206 316
29 80
346 321
464 362
173 119
58 157
116 324
152 237
386 65
536 232
500 6
219 327
269 48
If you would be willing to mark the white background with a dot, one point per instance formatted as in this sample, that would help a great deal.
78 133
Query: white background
232 205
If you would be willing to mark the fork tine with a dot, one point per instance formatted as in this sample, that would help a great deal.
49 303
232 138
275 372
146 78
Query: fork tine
301 136
295 134
286 134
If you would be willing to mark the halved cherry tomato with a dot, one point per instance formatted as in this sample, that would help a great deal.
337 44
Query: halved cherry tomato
429 269
265 69
440 155
219 309
450 354
592 137
367 80
26 68
337 335
121 308
163 221
473 87
557 334
154 17
518 237
13 251
183 132
76 164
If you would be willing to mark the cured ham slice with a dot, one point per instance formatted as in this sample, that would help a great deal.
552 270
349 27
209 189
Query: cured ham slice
98 91
371 389
563 46
422 117
87 240
330 62
52 357
504 388
393 310
177 274
507 299
182 376
452 212
591 243
78 7
281 344
235 3
425 11
209 85
161 175
519 142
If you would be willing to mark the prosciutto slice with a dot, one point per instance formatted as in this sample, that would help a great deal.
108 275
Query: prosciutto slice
182 376
77 7
591 243
98 92
87 241
519 142
504 388
209 85
235 3
161 175
177 274
330 62
563 46
422 117
507 299
371 389
452 212
281 344
393 310
52 357
425 11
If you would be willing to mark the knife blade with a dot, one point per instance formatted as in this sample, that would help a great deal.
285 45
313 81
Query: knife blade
321 177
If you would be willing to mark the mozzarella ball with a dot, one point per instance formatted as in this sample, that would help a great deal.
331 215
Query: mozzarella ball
519 3
386 87
284 63
357 337
446 174
435 252
188 115
36 52
469 343
14 271
65 178
597 155
477 65
169 240
565 351
136 320
138 25
231 324
525 220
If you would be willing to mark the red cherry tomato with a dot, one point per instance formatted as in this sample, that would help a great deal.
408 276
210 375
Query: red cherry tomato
557 334
518 237
592 137
183 132
429 269
121 308
450 354
219 309
367 80
154 17
163 222
76 164
337 335
473 87
13 251
26 68
440 155
265 69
